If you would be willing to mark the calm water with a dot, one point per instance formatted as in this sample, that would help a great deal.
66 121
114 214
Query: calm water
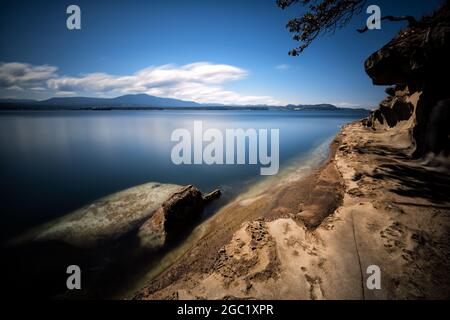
54 162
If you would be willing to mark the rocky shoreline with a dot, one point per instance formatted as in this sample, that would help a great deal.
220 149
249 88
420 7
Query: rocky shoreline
374 218
382 199
249 213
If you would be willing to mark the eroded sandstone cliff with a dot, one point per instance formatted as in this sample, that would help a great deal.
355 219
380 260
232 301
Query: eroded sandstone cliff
416 65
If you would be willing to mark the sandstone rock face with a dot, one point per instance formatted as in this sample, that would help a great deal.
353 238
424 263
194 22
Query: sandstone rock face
416 64
175 214
392 110
416 54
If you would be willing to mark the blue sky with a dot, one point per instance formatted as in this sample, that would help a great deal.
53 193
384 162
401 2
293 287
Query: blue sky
226 51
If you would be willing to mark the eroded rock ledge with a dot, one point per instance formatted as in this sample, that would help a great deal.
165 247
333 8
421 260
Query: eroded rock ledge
416 64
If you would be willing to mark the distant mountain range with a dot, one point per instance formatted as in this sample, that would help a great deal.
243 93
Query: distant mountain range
130 100
144 101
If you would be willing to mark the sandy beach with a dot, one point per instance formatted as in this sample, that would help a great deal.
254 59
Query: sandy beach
314 237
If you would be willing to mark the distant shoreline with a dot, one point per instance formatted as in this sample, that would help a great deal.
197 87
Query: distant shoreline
53 108
147 102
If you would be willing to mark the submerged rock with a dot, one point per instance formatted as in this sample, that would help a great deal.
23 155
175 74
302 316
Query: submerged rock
122 214
213 195
104 238
105 219
171 218
177 213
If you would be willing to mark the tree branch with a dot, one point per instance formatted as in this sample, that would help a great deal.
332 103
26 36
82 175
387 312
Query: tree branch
411 21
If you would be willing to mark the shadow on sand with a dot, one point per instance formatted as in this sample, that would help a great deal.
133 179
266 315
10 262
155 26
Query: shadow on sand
416 182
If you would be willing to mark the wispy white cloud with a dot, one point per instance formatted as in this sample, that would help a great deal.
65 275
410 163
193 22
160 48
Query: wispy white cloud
201 82
38 89
15 88
17 76
283 67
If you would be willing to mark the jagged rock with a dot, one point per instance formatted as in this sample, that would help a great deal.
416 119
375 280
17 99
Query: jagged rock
402 110
392 110
212 195
181 210
390 91
416 63
414 54
387 102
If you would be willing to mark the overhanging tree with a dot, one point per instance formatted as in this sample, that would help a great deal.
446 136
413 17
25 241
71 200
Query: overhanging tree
322 17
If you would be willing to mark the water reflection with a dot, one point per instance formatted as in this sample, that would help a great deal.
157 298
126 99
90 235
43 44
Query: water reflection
54 162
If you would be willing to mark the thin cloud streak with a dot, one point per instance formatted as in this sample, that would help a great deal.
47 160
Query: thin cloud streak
283 67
